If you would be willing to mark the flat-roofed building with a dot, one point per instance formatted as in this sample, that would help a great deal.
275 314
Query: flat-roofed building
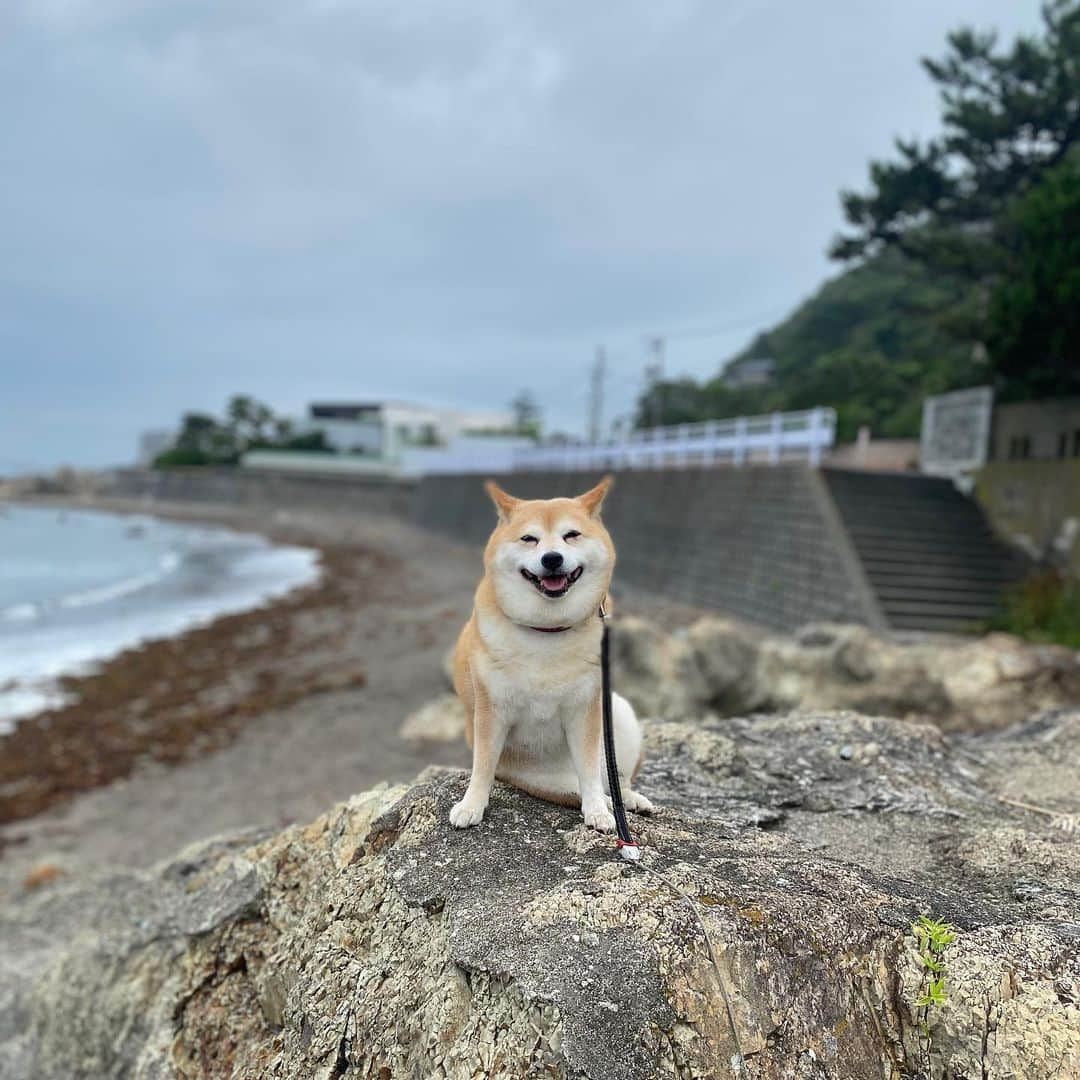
381 427
750 371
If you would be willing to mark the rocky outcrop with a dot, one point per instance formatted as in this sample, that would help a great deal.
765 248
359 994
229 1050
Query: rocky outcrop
724 667
721 666
766 934
440 720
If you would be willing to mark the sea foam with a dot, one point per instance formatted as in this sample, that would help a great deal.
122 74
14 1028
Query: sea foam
79 587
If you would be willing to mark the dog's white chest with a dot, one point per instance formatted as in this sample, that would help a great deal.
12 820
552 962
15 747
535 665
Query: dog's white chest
547 685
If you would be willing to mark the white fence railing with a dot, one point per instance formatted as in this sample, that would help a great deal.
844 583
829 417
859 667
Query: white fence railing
467 454
742 440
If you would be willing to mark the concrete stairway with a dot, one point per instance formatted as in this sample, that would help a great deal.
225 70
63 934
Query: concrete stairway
928 553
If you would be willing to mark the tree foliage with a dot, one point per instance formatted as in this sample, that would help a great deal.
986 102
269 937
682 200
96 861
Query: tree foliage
1009 115
991 202
528 419
1034 317
967 253
871 343
248 425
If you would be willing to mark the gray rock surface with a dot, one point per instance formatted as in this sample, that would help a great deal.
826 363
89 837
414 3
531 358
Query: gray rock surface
724 667
379 942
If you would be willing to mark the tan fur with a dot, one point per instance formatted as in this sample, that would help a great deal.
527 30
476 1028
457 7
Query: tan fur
532 699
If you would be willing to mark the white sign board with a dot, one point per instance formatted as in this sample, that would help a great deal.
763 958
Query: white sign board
956 431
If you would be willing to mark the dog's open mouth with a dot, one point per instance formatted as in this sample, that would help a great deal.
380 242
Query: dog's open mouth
553 585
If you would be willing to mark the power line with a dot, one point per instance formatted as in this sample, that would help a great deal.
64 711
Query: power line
725 328
654 368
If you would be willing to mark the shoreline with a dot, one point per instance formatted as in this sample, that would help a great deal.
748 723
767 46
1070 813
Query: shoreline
164 596
143 702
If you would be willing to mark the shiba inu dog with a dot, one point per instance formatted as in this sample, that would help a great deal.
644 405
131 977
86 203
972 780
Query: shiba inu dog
526 665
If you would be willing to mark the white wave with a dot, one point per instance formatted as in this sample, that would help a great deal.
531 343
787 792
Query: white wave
86 629
18 702
20 613
106 593
170 562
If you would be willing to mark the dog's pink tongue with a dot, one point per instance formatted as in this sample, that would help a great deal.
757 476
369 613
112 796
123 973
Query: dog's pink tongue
554 584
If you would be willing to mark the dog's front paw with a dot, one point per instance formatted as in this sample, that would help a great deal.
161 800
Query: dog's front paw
599 817
464 813
636 803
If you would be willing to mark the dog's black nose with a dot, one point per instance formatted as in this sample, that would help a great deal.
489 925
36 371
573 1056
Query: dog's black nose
551 560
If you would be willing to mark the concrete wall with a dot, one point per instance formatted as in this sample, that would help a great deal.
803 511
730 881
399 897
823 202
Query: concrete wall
1033 501
761 543
273 490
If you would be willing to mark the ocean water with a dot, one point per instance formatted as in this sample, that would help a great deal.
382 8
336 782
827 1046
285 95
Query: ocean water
78 586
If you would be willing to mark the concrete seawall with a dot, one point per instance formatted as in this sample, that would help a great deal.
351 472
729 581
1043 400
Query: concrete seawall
757 543
277 490
762 544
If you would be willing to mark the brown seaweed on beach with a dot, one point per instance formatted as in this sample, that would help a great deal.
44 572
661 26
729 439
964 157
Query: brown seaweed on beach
175 698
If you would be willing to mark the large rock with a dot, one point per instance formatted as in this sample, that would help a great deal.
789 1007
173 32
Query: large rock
380 942
440 720
657 671
721 666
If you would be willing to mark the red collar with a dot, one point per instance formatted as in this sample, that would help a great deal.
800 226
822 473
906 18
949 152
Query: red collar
562 629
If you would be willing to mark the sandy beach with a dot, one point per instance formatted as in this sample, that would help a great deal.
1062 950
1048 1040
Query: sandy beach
259 719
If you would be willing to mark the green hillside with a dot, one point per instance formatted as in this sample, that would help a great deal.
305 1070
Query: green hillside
872 343
969 236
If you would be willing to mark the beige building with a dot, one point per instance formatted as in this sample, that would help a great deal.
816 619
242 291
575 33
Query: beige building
1036 430
1031 484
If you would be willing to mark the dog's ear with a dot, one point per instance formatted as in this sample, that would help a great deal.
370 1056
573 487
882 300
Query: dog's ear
593 499
503 503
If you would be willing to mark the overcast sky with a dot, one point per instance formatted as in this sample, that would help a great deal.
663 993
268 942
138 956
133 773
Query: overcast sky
437 201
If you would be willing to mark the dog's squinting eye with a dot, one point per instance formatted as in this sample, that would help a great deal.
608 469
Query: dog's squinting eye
573 534
529 539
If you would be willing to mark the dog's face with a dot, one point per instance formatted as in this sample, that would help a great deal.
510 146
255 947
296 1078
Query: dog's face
550 560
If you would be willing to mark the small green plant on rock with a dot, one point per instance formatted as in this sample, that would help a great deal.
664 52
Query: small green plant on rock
932 938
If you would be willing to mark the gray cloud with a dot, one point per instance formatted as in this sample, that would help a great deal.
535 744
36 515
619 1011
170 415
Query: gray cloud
437 201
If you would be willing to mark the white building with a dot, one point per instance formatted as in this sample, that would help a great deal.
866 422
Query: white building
397 438
384 428
750 371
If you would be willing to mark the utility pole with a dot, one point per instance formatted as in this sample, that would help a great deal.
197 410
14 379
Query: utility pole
596 396
654 373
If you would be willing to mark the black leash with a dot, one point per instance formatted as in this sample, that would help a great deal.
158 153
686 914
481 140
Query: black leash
629 850
627 847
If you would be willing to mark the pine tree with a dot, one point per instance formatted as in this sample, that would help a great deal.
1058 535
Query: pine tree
1009 117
